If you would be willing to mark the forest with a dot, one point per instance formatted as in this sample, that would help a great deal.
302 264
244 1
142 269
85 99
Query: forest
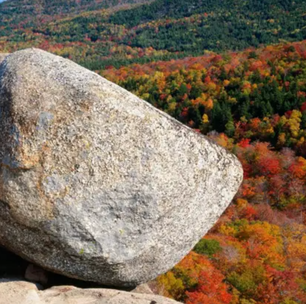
257 94
233 72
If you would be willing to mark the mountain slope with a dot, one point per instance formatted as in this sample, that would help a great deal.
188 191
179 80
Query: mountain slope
15 11
59 6
118 32
180 8
214 24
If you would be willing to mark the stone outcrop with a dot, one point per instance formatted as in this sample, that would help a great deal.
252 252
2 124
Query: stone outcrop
97 184
27 293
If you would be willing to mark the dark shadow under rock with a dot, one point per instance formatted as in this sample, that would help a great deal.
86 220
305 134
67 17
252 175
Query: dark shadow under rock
11 265
13 268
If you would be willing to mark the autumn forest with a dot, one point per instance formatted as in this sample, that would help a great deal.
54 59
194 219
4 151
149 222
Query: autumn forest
235 73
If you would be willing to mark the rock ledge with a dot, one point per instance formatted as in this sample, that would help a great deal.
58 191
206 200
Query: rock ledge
27 293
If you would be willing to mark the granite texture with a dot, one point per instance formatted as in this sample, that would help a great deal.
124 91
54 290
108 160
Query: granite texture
97 184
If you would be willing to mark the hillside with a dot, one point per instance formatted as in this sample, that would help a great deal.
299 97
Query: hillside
31 14
26 8
97 34
215 25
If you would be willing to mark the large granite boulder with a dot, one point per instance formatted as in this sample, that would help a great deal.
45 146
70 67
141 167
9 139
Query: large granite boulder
97 184
27 293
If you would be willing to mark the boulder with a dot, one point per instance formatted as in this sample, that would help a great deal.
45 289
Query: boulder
97 184
27 293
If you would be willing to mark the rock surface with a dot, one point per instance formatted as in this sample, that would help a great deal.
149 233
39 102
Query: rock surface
143 288
2 56
97 184
27 293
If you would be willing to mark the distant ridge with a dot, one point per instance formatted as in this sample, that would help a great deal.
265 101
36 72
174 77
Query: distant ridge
99 34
